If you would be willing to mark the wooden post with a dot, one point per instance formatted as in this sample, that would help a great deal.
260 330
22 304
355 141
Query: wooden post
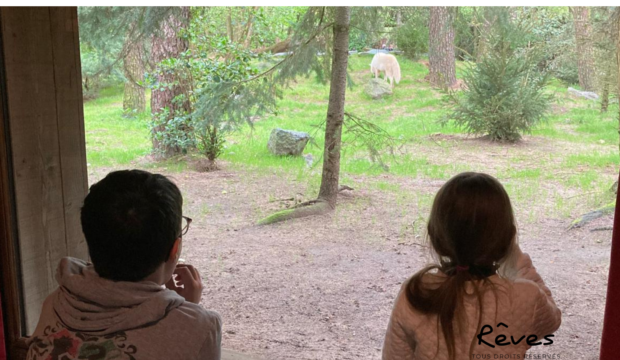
610 346
45 147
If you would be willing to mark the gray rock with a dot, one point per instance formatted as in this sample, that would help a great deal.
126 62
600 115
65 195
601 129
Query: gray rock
378 88
287 142
584 94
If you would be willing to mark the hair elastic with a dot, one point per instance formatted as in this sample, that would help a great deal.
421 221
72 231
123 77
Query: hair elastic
460 268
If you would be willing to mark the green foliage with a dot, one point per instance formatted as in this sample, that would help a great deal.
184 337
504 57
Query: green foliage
103 31
311 50
219 71
553 31
224 97
211 142
504 96
98 71
605 35
368 25
309 39
412 36
584 165
466 20
359 40
269 24
172 132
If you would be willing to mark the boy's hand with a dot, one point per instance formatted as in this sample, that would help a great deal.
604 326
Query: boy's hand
186 282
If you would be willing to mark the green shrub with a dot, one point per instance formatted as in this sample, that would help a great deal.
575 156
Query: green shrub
504 94
412 36
173 133
210 142
553 29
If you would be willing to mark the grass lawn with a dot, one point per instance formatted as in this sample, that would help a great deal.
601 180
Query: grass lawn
112 139
576 149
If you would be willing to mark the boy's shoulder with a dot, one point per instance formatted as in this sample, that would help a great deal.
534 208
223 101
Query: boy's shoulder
195 316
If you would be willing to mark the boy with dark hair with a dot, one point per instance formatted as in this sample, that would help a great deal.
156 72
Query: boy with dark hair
117 308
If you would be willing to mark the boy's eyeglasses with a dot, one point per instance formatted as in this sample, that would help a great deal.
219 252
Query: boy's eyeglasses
186 221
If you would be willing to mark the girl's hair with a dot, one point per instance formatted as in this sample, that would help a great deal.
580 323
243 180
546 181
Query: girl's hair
471 224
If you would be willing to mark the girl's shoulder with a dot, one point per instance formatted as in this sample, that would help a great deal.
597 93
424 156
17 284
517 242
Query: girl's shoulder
510 287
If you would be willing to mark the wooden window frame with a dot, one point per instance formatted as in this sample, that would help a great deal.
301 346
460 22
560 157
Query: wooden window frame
10 285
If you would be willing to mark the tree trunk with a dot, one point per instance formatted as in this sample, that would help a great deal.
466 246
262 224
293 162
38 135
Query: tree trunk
134 98
585 50
441 48
335 108
328 192
229 27
606 85
169 46
247 34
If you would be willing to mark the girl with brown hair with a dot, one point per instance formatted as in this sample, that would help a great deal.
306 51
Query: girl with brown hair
483 299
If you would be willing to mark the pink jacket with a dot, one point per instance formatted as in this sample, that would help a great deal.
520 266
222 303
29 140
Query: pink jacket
524 306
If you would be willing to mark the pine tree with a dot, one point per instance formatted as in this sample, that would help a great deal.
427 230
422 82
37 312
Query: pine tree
504 91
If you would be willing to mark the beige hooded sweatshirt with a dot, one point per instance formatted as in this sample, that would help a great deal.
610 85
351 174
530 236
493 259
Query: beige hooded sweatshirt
524 306
92 318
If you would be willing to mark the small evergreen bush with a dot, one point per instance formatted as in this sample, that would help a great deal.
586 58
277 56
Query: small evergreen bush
412 36
504 92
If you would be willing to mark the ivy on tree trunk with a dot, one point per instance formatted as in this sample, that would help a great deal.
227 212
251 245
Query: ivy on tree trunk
134 98
169 45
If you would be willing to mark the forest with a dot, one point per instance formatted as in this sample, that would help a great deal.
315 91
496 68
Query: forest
303 252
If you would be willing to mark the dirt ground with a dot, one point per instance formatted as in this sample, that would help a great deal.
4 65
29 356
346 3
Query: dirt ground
323 287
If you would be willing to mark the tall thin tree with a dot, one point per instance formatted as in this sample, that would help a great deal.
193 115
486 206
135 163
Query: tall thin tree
442 63
328 192
585 50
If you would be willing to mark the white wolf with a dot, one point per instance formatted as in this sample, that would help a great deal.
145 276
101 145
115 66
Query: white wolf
388 64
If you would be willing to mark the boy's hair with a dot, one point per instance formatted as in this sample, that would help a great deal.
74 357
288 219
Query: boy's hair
131 220
471 225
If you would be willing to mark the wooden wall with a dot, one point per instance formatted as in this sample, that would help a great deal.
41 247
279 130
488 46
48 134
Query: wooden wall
46 131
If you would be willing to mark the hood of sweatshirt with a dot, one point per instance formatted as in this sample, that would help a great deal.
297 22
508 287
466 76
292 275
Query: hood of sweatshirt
88 303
